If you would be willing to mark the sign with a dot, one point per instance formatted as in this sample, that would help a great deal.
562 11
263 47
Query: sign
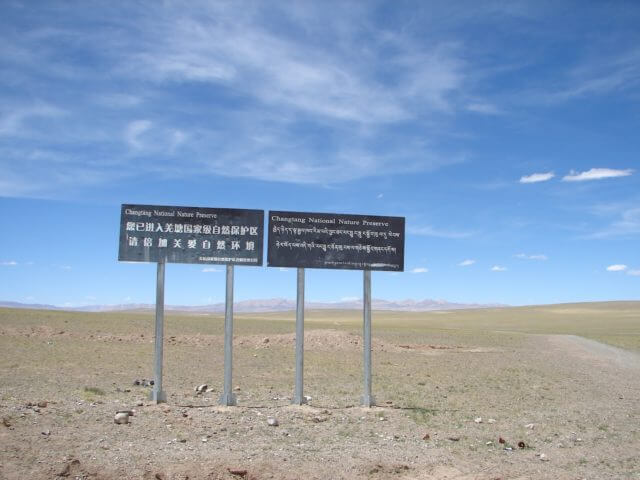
151 233
329 240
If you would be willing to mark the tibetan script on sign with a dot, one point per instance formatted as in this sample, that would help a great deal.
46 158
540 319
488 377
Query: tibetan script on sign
328 240
151 233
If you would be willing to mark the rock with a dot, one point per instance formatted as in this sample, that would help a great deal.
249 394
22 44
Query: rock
530 426
46 433
238 472
136 382
201 388
128 412
454 439
43 404
491 420
237 389
502 440
272 422
265 340
121 418
139 403
307 398
478 419
426 436
6 422
543 457
319 419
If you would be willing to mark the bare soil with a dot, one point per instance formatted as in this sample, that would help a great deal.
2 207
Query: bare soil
451 404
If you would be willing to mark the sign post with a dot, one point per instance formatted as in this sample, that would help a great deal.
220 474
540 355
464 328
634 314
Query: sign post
157 394
228 397
298 397
367 399
329 240
169 234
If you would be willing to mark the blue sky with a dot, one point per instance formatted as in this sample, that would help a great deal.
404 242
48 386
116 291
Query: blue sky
505 132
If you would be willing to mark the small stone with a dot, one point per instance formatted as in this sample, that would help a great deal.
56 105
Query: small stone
201 388
237 389
426 436
491 420
265 340
46 433
478 419
139 403
121 418
43 404
502 440
543 457
454 439
307 398
136 382
238 472
489 443
319 419
204 439
272 422
128 412
530 426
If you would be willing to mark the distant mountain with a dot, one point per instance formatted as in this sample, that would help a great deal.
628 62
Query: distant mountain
270 305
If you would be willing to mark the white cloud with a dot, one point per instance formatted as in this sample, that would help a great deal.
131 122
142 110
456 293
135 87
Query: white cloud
498 268
628 222
616 268
134 131
537 256
596 174
466 263
380 195
10 263
420 270
635 273
429 231
537 177
349 299
211 269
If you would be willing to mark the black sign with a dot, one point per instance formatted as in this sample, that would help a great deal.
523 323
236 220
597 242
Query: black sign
328 240
151 233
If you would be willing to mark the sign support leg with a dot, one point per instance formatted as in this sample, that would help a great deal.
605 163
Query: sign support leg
157 394
298 397
367 399
228 398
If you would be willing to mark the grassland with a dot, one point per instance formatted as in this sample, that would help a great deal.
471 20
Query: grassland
434 373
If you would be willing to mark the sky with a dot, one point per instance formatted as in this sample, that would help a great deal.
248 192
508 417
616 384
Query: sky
505 132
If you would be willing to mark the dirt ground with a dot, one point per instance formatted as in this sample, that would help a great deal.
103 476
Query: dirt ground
451 404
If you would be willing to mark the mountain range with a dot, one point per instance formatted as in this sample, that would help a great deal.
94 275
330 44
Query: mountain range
270 305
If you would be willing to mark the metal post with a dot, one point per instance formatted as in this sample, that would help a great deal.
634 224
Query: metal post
157 394
367 399
298 397
228 398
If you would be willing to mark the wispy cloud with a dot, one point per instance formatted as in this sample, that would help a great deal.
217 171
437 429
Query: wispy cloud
596 174
635 273
429 231
536 256
498 268
537 177
211 270
627 223
10 263
420 270
616 268
466 263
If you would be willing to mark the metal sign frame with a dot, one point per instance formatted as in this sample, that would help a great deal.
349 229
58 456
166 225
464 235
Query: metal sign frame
162 234
340 241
